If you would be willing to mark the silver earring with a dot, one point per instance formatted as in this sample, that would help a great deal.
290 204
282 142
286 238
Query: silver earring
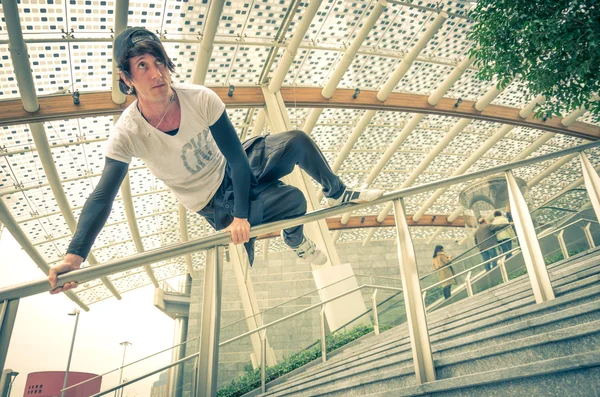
130 90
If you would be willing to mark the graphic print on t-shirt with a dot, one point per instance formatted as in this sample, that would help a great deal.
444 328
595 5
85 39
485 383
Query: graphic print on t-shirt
198 152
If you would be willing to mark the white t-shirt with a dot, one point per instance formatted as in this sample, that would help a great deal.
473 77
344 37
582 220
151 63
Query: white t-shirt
189 163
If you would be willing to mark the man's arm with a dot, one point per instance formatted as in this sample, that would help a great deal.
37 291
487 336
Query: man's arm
495 228
93 216
229 144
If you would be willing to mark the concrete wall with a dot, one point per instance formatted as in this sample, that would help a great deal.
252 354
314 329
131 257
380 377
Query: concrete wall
282 277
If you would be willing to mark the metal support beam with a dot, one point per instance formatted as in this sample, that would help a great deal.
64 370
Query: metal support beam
375 316
574 115
311 119
208 38
183 232
287 58
121 14
93 104
548 171
487 98
408 60
350 53
528 109
592 183
13 227
133 226
468 285
561 243
208 359
8 315
40 139
454 131
179 352
535 145
415 307
323 337
19 56
528 241
459 210
439 92
277 118
239 261
574 184
588 235
501 133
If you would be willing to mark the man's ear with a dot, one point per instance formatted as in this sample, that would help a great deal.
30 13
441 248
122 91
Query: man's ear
125 79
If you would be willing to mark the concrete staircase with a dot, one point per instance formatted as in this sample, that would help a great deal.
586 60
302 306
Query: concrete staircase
499 342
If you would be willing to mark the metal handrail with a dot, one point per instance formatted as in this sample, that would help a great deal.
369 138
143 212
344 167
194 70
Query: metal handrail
225 326
501 255
321 304
310 293
255 330
286 302
181 361
549 232
224 238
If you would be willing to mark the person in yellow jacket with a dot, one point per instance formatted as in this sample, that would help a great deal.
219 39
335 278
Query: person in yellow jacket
440 262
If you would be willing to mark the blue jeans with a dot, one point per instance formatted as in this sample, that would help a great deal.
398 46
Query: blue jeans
487 255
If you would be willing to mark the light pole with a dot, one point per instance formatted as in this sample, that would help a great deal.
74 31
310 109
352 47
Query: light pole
124 344
13 376
75 313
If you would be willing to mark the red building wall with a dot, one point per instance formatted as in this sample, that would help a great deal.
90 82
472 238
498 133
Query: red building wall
49 384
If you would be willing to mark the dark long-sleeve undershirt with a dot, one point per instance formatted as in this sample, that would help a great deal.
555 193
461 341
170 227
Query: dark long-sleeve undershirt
97 208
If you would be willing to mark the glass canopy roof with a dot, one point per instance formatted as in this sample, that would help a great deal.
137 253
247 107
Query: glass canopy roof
70 48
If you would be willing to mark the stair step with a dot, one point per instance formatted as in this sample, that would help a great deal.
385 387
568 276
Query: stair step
577 375
390 358
503 317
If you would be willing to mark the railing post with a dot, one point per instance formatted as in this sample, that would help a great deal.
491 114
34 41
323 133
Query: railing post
592 183
502 266
263 363
561 243
415 308
208 362
588 235
375 316
528 241
468 285
323 343
8 314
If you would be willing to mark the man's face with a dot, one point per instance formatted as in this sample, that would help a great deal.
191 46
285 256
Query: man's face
150 77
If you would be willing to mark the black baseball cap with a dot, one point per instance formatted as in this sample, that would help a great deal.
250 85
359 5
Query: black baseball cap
126 40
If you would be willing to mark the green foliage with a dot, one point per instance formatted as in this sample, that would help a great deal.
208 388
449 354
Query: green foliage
559 256
553 45
251 379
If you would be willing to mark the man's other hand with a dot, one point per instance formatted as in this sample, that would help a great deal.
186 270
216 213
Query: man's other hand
71 262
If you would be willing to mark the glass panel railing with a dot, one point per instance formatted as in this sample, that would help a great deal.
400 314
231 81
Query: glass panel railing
295 349
571 200
239 368
570 237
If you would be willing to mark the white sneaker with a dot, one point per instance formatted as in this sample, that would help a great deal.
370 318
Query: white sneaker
308 252
356 196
